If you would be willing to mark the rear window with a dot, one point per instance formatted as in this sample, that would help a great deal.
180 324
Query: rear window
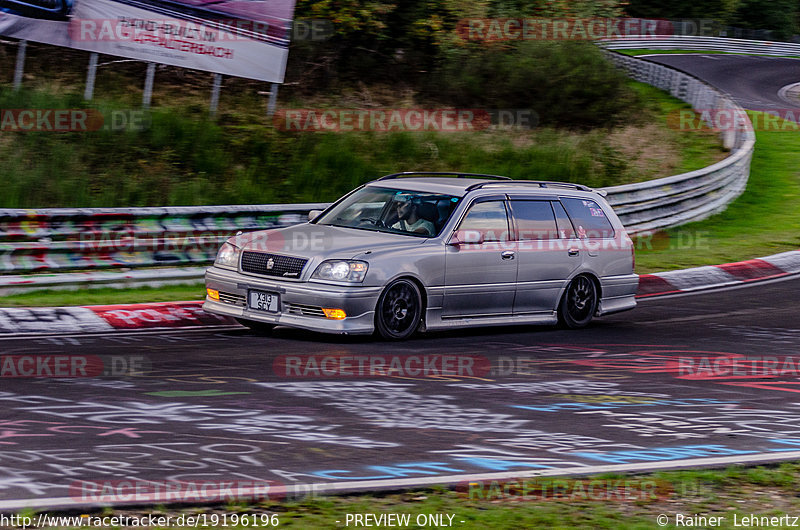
534 220
588 218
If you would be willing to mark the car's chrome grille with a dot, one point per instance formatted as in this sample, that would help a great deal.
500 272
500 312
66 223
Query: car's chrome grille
230 298
305 310
272 264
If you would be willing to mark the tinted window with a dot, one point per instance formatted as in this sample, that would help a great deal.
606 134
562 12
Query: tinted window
534 220
588 218
565 229
487 219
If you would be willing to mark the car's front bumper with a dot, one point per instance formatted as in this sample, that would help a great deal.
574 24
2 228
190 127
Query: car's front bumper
299 302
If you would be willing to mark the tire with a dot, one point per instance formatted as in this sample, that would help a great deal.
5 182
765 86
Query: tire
578 304
259 328
399 310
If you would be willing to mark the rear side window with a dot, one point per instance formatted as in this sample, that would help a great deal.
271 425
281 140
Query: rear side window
588 218
534 220
565 229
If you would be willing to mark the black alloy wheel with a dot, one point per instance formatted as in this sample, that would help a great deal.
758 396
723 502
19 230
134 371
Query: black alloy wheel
578 304
399 310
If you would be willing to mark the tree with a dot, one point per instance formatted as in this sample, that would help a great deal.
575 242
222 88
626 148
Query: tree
720 10
780 16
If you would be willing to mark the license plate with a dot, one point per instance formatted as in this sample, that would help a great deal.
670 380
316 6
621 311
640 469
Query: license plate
263 301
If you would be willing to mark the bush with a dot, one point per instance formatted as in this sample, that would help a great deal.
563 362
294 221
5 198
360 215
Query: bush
569 84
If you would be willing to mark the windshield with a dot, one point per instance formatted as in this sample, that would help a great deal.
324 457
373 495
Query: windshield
399 211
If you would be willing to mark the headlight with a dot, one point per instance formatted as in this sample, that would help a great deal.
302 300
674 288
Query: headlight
341 270
228 256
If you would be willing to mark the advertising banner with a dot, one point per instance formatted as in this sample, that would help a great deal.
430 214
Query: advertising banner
44 21
241 38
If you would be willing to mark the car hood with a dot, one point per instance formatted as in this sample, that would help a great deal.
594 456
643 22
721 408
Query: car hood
322 241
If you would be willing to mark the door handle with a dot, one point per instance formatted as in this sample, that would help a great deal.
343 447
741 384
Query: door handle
573 252
507 255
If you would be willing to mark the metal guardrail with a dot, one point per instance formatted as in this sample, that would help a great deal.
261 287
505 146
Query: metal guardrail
692 196
46 248
687 42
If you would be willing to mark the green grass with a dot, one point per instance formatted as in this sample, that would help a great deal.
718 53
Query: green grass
697 148
104 296
764 490
184 158
764 220
188 160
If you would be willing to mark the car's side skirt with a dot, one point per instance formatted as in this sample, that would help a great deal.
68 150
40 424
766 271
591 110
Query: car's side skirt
434 320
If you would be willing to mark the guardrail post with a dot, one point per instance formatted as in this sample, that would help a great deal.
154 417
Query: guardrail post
273 99
212 107
90 76
20 66
148 85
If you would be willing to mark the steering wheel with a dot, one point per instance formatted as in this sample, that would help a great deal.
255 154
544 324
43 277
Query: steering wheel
374 221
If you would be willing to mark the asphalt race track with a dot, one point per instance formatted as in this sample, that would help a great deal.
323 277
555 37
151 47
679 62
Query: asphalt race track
703 379
753 81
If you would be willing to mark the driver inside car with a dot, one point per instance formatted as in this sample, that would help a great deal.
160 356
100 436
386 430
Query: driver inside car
409 219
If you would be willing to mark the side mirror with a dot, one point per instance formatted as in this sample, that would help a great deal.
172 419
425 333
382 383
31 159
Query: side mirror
466 237
313 214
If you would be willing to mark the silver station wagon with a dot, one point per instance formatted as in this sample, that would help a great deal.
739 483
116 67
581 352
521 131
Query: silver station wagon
426 251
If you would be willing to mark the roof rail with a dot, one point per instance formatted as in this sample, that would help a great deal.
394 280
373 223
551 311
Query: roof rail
456 174
538 183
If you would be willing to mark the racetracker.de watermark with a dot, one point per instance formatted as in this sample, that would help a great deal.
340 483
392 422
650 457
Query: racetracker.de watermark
724 119
562 29
172 32
403 119
677 239
461 240
72 120
168 491
71 366
544 240
565 489
128 239
750 366
317 366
